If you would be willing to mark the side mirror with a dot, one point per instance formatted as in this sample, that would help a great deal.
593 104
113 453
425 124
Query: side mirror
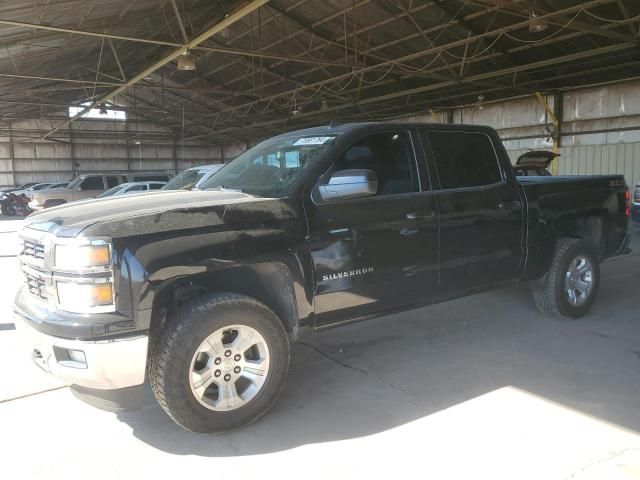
350 184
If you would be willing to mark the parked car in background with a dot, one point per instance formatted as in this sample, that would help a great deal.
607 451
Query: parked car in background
209 174
189 178
15 202
132 187
33 188
58 185
19 187
635 205
534 163
89 186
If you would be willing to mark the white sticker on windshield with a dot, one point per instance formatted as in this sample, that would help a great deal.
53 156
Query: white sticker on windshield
312 140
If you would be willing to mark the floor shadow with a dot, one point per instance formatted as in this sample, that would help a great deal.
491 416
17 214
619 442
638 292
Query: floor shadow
370 377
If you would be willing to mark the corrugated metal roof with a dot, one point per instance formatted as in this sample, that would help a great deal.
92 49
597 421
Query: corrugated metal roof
291 64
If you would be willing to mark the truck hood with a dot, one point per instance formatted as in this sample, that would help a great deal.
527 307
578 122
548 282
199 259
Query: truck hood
127 215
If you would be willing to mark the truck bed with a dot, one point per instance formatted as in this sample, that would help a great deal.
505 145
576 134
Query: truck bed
597 201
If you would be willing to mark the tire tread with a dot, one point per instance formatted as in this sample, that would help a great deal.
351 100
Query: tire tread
545 292
170 340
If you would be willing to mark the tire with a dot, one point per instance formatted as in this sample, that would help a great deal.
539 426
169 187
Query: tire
552 294
175 361
5 209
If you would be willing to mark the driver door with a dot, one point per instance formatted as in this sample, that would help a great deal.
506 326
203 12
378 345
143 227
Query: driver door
376 253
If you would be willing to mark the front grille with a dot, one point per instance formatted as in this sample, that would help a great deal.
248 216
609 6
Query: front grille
36 286
33 249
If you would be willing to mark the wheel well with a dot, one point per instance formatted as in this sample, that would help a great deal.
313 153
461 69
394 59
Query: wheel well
54 203
590 229
269 283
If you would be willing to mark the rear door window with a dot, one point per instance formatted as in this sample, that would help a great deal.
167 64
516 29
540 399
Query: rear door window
464 159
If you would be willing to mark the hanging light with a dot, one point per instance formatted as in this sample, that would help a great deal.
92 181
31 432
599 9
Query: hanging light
536 24
480 102
295 110
186 61
103 109
323 106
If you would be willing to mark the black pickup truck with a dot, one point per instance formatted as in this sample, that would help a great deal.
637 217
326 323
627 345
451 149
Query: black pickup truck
201 292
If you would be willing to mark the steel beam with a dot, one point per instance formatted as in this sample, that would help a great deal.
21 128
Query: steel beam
447 84
229 19
225 50
422 53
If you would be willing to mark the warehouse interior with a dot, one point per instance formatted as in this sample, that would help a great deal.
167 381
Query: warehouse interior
480 386
261 68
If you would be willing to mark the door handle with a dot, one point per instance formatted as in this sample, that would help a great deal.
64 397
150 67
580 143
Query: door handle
420 216
514 204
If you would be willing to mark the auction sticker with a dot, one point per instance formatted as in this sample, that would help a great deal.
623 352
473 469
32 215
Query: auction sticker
313 140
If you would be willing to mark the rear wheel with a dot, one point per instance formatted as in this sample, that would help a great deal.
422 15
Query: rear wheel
569 288
220 363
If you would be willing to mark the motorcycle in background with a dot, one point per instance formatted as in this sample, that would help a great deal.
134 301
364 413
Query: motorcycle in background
14 204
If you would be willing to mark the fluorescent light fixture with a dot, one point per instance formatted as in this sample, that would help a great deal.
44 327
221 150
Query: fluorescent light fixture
103 112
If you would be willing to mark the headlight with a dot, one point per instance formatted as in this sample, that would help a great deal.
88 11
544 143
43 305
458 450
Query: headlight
85 297
82 257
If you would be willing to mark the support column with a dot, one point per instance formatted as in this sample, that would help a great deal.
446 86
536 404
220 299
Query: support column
555 134
12 155
126 145
175 154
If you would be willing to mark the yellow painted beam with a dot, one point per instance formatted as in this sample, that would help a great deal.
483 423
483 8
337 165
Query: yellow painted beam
554 119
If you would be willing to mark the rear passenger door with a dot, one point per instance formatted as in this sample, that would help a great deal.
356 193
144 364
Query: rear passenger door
481 212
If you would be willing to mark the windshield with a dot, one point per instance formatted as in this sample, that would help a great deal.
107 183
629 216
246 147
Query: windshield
185 180
271 167
111 191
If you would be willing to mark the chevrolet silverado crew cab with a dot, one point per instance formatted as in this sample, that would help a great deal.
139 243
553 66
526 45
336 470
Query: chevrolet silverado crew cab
202 292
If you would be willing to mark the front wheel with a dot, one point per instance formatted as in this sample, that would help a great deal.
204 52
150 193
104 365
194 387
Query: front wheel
569 288
220 363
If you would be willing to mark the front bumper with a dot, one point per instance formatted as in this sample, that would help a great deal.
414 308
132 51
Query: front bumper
109 364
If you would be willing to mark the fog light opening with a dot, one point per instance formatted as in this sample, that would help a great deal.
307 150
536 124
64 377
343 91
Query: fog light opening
77 356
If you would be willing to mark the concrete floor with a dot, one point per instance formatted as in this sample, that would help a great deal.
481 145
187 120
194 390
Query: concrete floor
483 387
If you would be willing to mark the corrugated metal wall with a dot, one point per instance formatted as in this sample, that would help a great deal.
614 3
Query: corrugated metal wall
27 159
605 122
601 134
